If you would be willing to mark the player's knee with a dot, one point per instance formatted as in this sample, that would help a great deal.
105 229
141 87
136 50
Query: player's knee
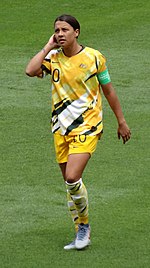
71 178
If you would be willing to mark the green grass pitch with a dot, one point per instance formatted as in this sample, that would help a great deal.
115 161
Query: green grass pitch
34 221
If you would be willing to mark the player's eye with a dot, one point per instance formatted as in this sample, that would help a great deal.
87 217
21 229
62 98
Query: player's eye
65 29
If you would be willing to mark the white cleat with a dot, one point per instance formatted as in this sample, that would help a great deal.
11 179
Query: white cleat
83 236
70 246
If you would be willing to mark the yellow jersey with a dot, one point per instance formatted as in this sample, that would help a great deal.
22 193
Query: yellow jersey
76 95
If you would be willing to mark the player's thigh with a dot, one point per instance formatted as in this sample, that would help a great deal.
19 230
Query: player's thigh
81 148
75 166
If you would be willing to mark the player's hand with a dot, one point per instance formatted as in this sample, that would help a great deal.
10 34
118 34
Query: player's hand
124 132
53 42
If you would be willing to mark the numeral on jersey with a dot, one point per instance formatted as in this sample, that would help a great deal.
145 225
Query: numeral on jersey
56 75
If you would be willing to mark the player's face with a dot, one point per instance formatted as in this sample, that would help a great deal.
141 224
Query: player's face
65 34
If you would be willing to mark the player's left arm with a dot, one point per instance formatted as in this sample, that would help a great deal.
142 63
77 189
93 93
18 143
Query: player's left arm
112 98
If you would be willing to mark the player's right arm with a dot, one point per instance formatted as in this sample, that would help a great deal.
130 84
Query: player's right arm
34 66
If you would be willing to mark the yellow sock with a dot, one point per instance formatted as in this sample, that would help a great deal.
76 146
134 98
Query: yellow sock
73 211
79 197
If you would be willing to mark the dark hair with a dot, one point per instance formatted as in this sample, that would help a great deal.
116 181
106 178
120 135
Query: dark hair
70 20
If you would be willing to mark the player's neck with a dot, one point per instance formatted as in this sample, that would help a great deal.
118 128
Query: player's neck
72 50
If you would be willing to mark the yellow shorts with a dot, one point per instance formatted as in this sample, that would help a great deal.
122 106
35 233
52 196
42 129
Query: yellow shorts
66 145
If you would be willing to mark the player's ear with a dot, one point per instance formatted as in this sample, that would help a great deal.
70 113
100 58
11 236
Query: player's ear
77 32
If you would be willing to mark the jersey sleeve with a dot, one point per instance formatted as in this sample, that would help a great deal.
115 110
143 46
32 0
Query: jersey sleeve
102 70
46 65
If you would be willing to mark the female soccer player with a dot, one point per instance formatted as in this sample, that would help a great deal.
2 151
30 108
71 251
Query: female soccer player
78 75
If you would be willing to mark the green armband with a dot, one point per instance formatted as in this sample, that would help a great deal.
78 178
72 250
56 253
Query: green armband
104 77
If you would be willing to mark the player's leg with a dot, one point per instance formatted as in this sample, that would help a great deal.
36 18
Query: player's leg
72 171
80 151
77 197
77 190
75 186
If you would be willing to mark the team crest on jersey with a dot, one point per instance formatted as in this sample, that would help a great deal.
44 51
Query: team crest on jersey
82 65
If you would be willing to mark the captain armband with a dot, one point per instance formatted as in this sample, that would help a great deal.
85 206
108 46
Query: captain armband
104 77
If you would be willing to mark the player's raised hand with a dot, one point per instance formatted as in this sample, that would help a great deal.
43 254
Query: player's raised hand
53 42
